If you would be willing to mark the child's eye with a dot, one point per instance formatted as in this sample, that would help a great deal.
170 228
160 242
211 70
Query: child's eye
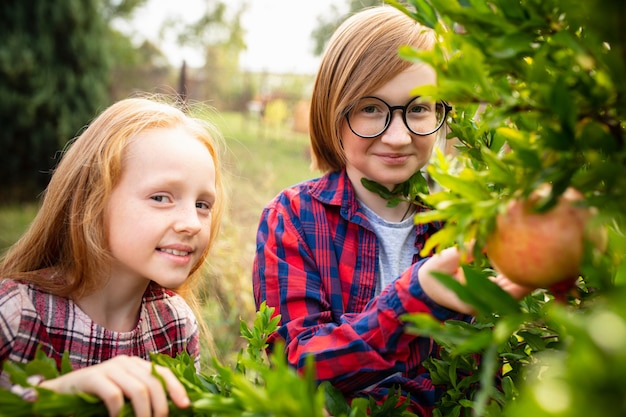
203 205
160 198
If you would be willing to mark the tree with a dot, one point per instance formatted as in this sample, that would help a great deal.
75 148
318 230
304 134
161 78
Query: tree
539 97
53 76
327 24
219 35
138 68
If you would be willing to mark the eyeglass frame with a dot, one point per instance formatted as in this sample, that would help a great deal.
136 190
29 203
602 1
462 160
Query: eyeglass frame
446 110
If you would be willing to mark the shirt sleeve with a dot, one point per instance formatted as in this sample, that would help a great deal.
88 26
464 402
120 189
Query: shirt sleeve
11 306
353 350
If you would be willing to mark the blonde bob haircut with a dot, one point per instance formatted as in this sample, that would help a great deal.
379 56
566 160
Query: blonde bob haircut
361 56
69 233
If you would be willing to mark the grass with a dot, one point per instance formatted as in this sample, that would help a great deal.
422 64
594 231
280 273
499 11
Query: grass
259 162
13 221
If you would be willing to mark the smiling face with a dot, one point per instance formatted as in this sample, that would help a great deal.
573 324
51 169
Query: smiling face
396 154
159 213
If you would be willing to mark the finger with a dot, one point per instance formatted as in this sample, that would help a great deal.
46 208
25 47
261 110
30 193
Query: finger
515 290
150 395
155 388
447 261
174 387
133 378
92 381
137 389
111 395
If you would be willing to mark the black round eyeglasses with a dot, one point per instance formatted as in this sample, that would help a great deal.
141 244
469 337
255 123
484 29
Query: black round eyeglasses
370 116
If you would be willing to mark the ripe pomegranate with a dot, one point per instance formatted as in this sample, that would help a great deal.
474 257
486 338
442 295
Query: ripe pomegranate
540 249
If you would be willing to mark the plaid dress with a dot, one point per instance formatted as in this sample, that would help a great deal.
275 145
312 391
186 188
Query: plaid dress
30 317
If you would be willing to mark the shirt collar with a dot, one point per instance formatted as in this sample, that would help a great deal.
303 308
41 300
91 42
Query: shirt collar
336 189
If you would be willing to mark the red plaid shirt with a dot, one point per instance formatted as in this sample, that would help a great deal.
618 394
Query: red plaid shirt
317 263
30 317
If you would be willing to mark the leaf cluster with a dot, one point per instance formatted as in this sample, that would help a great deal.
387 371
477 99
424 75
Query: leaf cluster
538 95
257 385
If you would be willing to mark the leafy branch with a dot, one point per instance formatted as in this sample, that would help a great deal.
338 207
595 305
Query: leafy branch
407 191
257 385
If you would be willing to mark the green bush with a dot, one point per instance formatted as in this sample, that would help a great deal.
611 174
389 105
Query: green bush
539 96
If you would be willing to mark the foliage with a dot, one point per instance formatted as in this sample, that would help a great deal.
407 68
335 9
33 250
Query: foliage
120 8
328 23
410 190
539 97
63 62
53 77
549 89
251 388
219 37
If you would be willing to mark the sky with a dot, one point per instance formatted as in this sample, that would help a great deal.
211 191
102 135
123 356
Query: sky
278 32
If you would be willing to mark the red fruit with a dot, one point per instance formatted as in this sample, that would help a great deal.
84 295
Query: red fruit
540 249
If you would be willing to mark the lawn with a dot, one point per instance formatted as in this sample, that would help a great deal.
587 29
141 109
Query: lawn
258 162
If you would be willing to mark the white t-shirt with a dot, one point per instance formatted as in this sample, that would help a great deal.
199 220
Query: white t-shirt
396 242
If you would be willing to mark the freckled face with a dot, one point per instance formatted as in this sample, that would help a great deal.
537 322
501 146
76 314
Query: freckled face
396 154
159 214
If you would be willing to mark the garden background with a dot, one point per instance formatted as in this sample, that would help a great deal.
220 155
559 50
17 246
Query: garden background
548 76
62 63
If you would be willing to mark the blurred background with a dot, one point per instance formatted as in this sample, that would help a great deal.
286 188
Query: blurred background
252 61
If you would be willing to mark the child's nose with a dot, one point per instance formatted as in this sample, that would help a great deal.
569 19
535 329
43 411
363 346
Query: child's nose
188 220
397 132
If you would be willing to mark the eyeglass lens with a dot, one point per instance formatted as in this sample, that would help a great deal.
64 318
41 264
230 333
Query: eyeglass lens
371 116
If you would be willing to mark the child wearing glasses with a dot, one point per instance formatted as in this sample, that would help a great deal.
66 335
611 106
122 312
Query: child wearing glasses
340 265
106 271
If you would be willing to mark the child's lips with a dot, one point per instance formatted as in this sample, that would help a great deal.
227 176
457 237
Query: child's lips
177 249
394 158
175 252
178 255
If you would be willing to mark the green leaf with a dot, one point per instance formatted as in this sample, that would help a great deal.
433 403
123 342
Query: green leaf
409 190
511 45
496 300
499 171
377 188
425 13
464 293
489 368
66 365
336 403
442 238
430 216
14 405
42 365
467 188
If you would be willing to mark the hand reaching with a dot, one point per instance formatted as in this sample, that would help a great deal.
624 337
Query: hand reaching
125 377
517 291
448 261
